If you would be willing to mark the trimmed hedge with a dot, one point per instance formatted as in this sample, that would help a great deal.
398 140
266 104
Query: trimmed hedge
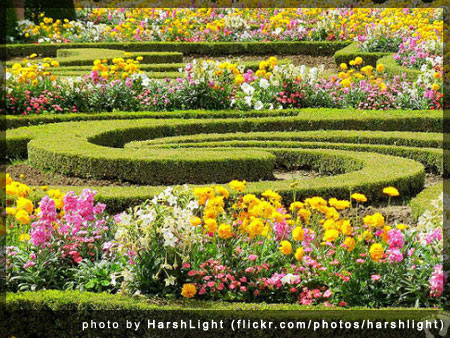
422 201
351 51
94 151
417 146
86 56
392 68
310 118
61 314
190 48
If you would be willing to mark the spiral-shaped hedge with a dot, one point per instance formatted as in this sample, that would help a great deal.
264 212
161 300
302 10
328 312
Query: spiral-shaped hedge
362 151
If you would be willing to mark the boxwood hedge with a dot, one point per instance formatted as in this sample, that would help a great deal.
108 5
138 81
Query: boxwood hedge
351 51
423 201
190 48
62 314
93 149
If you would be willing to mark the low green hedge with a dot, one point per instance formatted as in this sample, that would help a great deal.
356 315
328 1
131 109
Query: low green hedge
423 201
309 118
392 68
62 314
423 147
351 51
190 48
94 151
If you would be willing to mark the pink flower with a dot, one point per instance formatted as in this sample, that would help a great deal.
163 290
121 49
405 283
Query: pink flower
437 281
395 255
29 264
375 278
327 294
252 258
395 238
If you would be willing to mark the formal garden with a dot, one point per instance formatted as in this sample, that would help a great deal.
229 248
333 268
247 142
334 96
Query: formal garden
226 159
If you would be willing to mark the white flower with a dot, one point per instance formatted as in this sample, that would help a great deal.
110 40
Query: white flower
278 30
259 105
247 89
248 100
289 279
170 280
264 84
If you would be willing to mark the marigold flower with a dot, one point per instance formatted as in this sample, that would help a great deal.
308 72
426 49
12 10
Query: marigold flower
435 87
391 191
22 216
285 247
359 197
225 231
189 290
330 235
211 225
298 234
299 253
380 67
343 66
376 220
349 243
237 185
195 221
376 251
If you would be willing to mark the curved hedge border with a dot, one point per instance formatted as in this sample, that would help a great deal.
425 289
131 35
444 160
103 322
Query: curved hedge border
313 118
92 151
392 68
189 48
418 146
351 51
61 313
373 58
423 201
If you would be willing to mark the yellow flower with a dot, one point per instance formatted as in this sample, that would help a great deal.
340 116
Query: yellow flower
285 247
376 220
296 206
339 204
402 226
25 204
55 63
256 227
343 66
358 60
239 79
376 251
380 67
391 191
210 225
437 75
350 243
298 234
189 290
24 237
272 195
22 216
11 211
195 221
435 87
330 235
299 254
225 231
304 215
237 185
32 56
347 83
359 197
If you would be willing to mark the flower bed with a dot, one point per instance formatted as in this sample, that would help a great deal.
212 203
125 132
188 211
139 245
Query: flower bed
209 244
120 84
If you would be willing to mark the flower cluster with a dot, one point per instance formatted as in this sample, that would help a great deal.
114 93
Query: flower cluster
235 24
50 240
